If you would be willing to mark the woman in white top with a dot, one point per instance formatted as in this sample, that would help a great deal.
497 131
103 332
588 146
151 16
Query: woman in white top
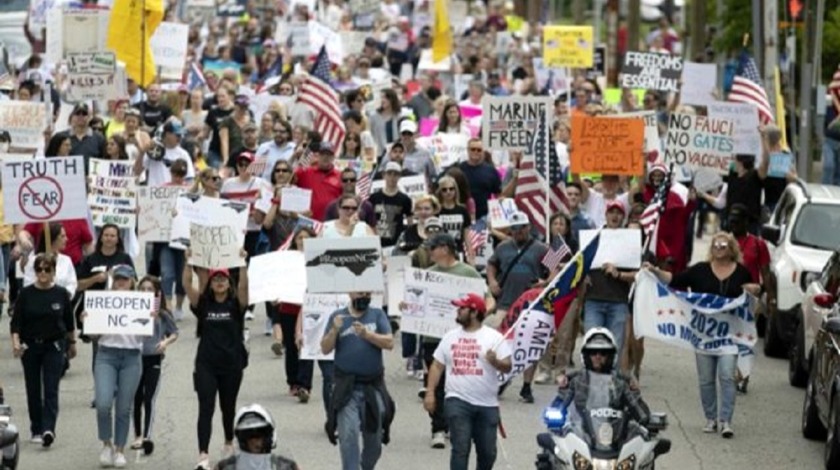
348 223
193 117
137 140
65 273
451 121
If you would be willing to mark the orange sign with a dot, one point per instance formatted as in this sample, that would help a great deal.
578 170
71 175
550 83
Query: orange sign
610 146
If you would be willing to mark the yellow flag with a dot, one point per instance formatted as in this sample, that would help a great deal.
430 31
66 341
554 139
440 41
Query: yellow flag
129 38
780 109
442 33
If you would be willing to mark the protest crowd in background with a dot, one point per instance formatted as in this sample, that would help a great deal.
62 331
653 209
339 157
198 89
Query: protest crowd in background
351 169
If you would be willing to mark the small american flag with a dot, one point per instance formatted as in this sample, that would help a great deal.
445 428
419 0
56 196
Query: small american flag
318 94
477 235
363 185
747 88
305 160
555 256
834 89
318 227
195 78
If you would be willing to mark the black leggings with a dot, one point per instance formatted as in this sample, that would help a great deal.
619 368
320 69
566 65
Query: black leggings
146 394
439 423
287 324
207 383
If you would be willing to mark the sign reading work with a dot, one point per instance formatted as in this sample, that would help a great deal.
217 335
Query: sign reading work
428 300
44 189
115 312
699 142
509 123
651 71
112 197
608 146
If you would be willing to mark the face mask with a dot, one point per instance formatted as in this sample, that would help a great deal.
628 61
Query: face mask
360 303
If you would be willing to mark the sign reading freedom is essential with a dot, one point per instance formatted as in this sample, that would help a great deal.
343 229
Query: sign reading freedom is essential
509 123
567 46
155 209
608 146
112 198
699 142
214 246
428 298
352 264
44 189
651 71
115 312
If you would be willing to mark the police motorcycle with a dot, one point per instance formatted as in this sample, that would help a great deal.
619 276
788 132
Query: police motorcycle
594 423
9 441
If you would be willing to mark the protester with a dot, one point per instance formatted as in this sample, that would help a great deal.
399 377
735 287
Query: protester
278 149
322 178
349 180
64 273
347 224
391 206
483 178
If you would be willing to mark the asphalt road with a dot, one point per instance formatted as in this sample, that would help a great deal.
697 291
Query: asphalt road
766 421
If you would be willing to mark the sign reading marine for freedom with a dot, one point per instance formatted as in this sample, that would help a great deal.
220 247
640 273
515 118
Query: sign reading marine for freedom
509 123
336 265
651 71
43 190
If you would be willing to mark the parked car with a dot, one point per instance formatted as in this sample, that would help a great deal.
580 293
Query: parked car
801 233
818 303
821 409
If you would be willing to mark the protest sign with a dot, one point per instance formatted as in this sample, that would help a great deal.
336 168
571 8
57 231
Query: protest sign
300 37
608 146
395 283
155 206
322 35
344 264
75 30
554 79
780 164
703 323
91 75
651 71
372 94
427 62
215 247
294 199
412 186
699 82
744 117
231 8
112 197
706 180
25 122
509 123
428 298
651 140
38 13
620 247
353 41
567 46
699 142
190 208
119 312
500 212
599 63
277 275
169 45
316 311
446 149
44 190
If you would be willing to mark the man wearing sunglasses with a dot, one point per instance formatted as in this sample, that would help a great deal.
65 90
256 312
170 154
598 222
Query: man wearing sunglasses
348 187
84 140
158 170
279 148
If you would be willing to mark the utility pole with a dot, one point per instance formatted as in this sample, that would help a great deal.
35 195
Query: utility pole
771 50
633 19
698 29
757 33
612 41
577 11
807 83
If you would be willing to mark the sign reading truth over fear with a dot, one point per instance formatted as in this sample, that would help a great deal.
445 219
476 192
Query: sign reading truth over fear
44 190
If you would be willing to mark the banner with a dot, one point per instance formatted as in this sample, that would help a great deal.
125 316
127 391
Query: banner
113 195
651 71
25 122
699 142
567 46
336 265
155 206
190 208
277 275
215 246
705 323
114 312
428 297
699 82
44 190
744 117
607 146
509 123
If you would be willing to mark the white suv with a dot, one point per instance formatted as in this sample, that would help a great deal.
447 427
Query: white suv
802 233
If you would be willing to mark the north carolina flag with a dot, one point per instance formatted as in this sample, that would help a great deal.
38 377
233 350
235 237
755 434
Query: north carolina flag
127 39
441 33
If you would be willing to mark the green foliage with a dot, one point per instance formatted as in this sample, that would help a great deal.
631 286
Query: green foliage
831 43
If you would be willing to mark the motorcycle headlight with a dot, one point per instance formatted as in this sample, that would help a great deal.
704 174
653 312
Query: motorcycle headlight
580 462
603 464
627 464
554 418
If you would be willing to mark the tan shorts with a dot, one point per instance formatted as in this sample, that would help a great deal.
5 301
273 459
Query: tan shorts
495 319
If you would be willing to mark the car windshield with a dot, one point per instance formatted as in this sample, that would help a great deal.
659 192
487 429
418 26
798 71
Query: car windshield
816 227
13 6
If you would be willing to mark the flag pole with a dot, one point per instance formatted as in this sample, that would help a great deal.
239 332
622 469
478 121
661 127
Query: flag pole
547 200
143 46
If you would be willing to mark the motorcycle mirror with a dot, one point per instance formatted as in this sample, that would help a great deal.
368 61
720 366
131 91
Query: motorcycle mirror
545 441
662 447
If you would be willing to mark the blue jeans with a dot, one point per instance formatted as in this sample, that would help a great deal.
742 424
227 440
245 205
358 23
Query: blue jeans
470 423
171 267
831 161
609 315
305 378
350 421
116 374
43 364
724 367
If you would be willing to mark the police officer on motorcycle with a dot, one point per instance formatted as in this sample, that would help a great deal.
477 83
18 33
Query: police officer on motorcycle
254 429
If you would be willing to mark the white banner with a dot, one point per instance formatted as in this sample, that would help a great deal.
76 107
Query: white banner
169 45
336 265
190 208
44 190
278 275
620 247
115 312
215 246
428 297
155 206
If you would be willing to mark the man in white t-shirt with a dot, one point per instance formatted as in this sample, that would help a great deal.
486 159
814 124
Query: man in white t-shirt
157 168
471 356
594 203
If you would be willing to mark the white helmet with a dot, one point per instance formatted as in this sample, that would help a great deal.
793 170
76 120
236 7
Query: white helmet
599 339
255 419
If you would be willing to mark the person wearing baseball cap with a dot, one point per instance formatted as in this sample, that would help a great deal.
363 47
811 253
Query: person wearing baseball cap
417 159
250 144
471 358
391 205
323 179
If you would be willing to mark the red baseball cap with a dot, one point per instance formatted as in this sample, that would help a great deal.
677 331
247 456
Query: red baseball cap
215 272
471 301
616 205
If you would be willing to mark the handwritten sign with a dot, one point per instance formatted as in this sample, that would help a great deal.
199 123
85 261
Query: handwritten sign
25 122
744 116
344 264
169 46
651 71
190 208
608 146
91 75
112 197
44 189
509 123
295 199
780 164
214 246
500 212
428 297
699 142
114 312
155 205
447 149
567 46
652 140
699 82
278 275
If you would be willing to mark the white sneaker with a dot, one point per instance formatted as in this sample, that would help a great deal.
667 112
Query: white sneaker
119 460
710 427
438 440
178 314
36 439
106 457
726 430
249 316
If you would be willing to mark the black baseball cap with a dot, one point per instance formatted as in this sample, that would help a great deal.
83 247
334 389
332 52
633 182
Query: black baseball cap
442 239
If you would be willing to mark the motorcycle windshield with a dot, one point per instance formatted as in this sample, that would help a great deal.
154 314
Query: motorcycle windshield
604 424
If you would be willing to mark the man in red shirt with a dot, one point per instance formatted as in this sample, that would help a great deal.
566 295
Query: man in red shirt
323 179
753 249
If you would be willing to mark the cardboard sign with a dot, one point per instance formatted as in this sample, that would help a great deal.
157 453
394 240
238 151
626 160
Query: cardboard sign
509 123
91 75
699 82
25 122
500 211
744 116
607 146
44 190
652 141
112 312
395 283
554 79
699 142
278 275
428 297
412 186
620 247
214 246
155 206
780 164
75 30
169 45
294 199
113 195
352 264
190 208
567 46
651 71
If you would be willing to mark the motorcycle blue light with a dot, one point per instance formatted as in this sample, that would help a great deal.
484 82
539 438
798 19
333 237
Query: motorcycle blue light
554 418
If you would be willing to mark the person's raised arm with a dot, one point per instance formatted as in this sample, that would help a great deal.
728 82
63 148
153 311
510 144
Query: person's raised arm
187 281
764 167
242 289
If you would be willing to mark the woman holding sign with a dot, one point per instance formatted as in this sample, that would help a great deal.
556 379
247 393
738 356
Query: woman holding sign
221 357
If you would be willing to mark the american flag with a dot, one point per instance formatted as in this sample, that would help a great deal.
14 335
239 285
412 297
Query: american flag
317 92
650 217
834 89
747 88
477 235
318 227
555 256
195 78
531 184
305 160
363 185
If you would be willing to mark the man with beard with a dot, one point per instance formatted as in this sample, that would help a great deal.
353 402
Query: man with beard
471 356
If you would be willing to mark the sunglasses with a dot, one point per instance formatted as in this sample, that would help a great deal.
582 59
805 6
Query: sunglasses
445 190
721 244
473 149
43 269
215 179
281 170
348 180
349 208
